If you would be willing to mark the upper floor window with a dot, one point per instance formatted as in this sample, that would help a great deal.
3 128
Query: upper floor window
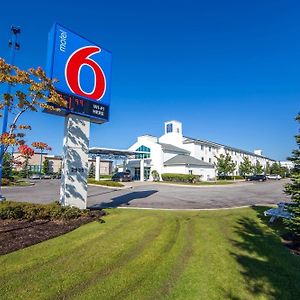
209 160
209 149
143 155
202 147
169 127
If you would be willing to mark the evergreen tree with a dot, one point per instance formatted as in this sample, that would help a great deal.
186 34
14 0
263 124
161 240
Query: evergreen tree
258 168
24 173
268 168
92 171
246 167
7 165
45 166
293 189
225 165
276 168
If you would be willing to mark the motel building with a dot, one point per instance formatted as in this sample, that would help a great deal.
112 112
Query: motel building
175 153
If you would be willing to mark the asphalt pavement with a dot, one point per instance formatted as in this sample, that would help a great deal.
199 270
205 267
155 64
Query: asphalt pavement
160 195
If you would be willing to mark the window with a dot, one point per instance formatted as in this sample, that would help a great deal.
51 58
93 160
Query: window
169 127
209 160
190 172
202 147
143 155
209 149
202 158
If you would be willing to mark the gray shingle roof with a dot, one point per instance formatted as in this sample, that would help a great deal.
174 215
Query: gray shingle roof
188 140
187 160
172 148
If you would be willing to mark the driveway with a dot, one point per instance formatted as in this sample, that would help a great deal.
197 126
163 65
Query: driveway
159 195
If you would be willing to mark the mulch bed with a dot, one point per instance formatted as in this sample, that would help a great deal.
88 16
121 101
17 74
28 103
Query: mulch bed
19 234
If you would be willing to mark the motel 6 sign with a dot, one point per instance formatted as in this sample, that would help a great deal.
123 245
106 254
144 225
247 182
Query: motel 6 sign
83 70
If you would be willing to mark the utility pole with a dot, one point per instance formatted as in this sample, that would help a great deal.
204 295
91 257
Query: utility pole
14 45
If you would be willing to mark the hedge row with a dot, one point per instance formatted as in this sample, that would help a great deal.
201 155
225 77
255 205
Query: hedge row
180 177
105 182
225 177
30 211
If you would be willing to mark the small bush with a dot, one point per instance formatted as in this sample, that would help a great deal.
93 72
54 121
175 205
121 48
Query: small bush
172 177
30 211
155 175
5 182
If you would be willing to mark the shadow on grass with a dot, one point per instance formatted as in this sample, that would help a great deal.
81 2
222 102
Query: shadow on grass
268 268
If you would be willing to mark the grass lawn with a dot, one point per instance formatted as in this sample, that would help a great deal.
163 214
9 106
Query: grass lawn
142 254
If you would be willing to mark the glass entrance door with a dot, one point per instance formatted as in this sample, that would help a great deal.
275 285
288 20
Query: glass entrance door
137 172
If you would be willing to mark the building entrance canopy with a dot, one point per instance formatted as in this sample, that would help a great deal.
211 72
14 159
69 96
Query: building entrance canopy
107 153
114 153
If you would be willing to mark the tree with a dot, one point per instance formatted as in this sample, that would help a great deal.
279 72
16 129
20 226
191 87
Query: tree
42 147
276 168
32 91
7 165
26 153
258 168
225 166
92 171
46 166
268 168
246 167
293 189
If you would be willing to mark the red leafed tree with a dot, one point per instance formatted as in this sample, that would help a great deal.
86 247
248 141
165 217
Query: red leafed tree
42 147
33 90
25 153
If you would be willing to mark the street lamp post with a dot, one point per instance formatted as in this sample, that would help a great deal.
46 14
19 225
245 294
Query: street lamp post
14 44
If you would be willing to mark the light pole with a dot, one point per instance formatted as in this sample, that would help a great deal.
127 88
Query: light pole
14 44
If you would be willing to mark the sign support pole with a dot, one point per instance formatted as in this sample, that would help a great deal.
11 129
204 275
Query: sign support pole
73 190
97 171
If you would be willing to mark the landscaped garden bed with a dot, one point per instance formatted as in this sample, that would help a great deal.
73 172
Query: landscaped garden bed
26 224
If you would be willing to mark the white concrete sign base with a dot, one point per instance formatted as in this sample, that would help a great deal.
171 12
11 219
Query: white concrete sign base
73 190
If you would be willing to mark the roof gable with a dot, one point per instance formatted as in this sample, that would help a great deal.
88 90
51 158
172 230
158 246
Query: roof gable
181 159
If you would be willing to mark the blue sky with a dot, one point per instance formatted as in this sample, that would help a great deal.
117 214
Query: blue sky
228 70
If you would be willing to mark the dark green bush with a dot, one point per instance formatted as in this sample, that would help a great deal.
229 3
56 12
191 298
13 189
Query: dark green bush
172 177
30 211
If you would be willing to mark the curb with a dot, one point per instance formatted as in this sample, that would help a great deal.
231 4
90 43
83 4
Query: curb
208 186
197 209
18 186
111 187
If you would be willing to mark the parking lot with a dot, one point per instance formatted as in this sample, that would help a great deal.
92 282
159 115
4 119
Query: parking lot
160 195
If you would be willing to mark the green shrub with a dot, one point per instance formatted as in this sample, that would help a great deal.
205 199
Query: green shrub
155 175
105 183
5 182
106 176
237 177
30 211
172 177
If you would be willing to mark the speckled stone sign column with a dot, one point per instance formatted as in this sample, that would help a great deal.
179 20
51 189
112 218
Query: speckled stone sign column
73 190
